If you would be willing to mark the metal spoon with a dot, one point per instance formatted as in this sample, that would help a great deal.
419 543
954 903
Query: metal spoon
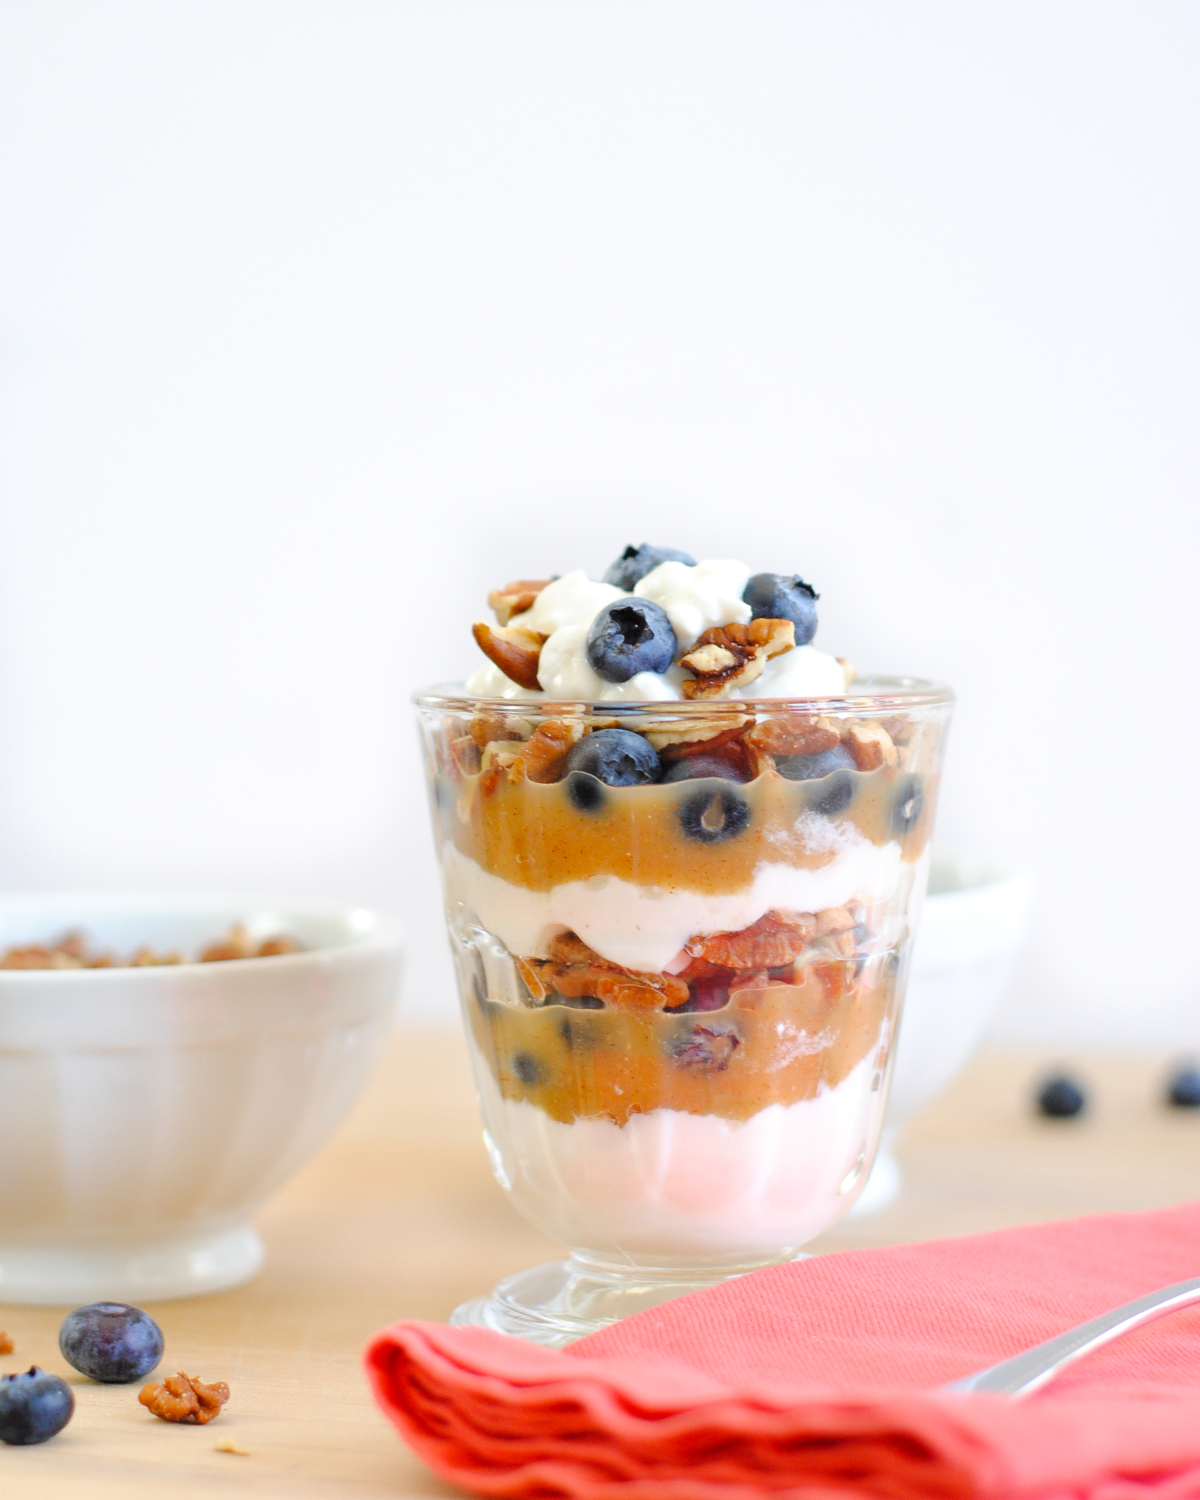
1035 1367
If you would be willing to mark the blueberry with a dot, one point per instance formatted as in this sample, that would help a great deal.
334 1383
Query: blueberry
1183 1087
693 767
775 596
110 1342
617 757
834 795
814 767
527 1068
585 792
33 1406
907 805
635 562
714 814
630 636
1060 1098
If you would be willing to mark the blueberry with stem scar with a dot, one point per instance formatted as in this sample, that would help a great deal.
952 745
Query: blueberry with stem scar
630 636
618 757
776 596
635 562
712 815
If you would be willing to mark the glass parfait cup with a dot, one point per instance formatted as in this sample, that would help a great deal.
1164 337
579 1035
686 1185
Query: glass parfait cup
681 998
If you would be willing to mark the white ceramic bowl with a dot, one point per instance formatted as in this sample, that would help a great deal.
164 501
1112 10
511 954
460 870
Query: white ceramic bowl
145 1114
972 925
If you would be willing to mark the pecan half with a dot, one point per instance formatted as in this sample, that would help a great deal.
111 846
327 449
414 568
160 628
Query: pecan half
734 655
515 598
183 1398
870 745
773 941
575 971
514 651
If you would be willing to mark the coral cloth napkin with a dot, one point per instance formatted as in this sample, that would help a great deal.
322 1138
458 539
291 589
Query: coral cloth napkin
817 1379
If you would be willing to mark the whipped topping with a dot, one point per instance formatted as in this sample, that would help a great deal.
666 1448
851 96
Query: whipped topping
670 1183
695 599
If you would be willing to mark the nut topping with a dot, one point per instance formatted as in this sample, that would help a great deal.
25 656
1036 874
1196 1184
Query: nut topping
515 598
787 735
514 651
734 655
182 1398
870 745
688 737
774 940
575 971
540 757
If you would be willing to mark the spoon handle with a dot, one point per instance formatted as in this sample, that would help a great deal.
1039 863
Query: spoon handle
1029 1371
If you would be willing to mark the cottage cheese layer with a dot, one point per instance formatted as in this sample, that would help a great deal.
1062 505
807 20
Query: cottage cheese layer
646 927
672 1184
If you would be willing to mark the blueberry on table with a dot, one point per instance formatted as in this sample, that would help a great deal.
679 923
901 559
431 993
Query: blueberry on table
1060 1098
630 636
814 767
33 1407
714 814
618 757
1183 1087
776 596
695 767
111 1342
635 562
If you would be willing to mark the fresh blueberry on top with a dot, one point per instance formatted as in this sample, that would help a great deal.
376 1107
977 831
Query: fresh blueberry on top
814 767
712 815
617 757
1183 1087
33 1407
776 596
635 562
630 636
1060 1098
111 1342
693 767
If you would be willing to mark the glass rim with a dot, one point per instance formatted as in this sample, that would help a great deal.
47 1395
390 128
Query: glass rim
882 693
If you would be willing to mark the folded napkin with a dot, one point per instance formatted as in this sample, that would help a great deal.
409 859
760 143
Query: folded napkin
818 1379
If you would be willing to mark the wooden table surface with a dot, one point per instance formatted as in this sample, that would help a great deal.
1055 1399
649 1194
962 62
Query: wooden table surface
399 1217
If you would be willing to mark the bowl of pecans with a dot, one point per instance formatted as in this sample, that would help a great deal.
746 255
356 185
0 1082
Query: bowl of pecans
166 1062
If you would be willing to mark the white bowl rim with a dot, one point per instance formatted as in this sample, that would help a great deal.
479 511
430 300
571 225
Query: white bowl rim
378 931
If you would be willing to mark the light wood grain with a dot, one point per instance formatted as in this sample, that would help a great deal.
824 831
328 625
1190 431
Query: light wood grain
398 1217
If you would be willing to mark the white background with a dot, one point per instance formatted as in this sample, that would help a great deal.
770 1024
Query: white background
318 319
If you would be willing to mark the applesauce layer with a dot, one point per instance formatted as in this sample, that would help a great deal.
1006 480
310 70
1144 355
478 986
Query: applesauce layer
775 1044
707 835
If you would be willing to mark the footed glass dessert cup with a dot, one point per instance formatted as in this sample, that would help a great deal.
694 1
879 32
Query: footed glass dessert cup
681 993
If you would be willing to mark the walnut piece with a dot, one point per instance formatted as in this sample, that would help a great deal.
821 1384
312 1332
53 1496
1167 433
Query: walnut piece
515 598
734 655
183 1398
514 651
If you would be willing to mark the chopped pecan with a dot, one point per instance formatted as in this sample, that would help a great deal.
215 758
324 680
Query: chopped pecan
793 734
465 754
834 919
485 728
734 655
689 736
574 970
514 651
540 757
515 598
869 744
182 1398
774 940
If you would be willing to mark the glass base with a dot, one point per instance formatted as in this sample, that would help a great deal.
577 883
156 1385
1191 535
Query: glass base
559 1302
